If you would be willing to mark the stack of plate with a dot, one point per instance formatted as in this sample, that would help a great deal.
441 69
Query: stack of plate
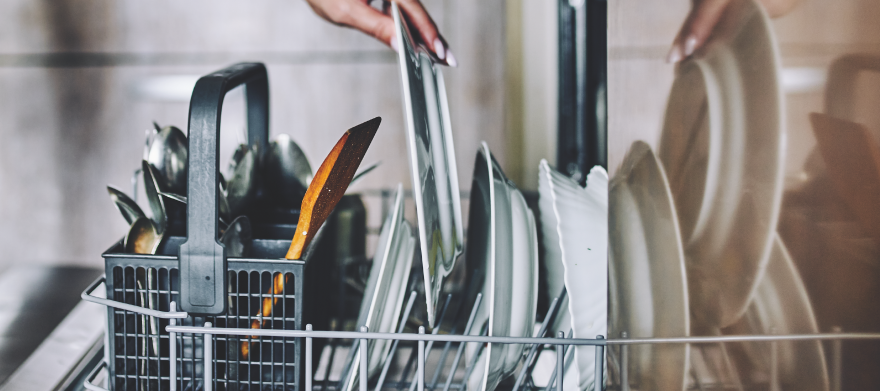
432 162
386 288
574 224
502 252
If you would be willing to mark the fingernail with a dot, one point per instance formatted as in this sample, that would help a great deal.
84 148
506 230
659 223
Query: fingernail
394 44
674 55
439 49
450 59
690 45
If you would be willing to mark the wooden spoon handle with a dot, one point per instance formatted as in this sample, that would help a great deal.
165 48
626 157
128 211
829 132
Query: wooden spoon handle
330 182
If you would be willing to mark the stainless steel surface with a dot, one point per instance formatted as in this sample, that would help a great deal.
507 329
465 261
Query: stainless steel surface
33 301
126 205
168 154
238 237
143 237
241 188
288 169
152 188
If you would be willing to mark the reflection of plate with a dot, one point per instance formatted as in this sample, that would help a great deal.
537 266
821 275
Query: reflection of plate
647 283
579 218
432 160
502 252
722 147
386 287
781 306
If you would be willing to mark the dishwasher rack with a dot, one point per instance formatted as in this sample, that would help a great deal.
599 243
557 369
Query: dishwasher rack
618 378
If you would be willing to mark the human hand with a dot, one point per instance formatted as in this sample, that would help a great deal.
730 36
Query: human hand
358 14
703 17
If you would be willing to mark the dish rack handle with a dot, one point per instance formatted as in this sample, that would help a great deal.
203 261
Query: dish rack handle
203 264
87 296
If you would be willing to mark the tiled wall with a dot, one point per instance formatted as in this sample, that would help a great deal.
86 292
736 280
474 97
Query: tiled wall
73 111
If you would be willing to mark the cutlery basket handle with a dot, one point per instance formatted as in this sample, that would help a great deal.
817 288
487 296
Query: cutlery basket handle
203 264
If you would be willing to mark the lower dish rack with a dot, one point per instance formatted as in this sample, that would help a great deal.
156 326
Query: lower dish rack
203 347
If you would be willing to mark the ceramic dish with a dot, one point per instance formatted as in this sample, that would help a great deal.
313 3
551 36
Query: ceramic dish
723 146
647 282
781 306
432 163
502 255
386 287
578 218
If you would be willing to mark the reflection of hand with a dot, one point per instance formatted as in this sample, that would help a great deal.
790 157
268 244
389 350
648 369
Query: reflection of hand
703 17
359 15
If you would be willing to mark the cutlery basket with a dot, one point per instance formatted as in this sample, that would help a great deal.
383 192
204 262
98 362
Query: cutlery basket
190 280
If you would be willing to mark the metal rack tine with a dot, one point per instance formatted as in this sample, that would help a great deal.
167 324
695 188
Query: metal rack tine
445 351
412 384
565 352
470 367
467 330
535 350
406 311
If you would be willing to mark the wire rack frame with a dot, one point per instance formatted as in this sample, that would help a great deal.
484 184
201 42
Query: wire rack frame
425 342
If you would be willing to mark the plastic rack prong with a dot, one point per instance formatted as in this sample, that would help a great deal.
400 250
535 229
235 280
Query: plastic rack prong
362 378
599 377
421 359
308 359
172 351
624 364
560 359
209 354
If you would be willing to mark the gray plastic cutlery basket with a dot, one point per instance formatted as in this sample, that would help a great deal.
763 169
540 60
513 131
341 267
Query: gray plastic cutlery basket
191 282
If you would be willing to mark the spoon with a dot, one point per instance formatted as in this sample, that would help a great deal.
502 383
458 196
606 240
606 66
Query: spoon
127 206
237 237
288 169
224 206
152 188
241 188
363 172
326 189
143 237
168 154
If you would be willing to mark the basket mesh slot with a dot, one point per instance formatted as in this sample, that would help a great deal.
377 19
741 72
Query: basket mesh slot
141 345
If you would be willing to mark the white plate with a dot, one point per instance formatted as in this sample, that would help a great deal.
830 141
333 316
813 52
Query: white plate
386 287
524 287
723 146
432 163
579 218
781 306
502 253
647 282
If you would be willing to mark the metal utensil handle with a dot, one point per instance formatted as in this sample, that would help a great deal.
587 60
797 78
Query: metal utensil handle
203 277
87 296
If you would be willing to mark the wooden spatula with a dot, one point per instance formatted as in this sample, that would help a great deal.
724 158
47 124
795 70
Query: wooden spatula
327 188
330 182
